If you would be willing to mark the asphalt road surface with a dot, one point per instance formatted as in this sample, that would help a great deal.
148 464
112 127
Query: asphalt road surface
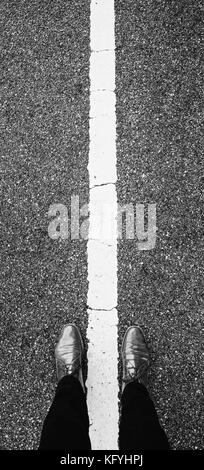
159 106
45 143
45 90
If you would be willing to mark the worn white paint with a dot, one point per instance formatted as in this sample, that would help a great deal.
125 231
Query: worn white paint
102 378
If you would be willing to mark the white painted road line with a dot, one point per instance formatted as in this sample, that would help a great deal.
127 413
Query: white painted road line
102 334
102 168
102 380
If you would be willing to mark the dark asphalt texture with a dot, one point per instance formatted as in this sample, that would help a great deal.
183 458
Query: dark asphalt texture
45 111
44 124
160 160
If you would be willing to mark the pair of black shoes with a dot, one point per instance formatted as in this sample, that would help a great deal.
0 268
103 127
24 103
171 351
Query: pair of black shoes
135 356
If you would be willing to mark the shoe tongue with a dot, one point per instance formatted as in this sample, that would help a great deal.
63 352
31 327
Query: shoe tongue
134 356
136 363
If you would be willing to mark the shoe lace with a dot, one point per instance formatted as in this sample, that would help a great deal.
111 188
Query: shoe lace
136 372
64 365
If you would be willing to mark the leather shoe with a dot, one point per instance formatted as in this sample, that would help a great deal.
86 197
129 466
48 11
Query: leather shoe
135 356
68 354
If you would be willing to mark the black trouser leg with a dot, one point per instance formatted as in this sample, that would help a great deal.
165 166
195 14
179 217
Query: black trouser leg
67 424
139 427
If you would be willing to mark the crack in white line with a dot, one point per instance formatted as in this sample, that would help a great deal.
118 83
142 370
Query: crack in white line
102 184
102 50
102 309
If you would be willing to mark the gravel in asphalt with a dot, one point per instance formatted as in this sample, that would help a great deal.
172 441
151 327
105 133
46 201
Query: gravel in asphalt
160 158
45 106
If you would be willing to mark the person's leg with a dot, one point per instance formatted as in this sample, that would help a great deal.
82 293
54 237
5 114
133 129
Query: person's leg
139 427
67 424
